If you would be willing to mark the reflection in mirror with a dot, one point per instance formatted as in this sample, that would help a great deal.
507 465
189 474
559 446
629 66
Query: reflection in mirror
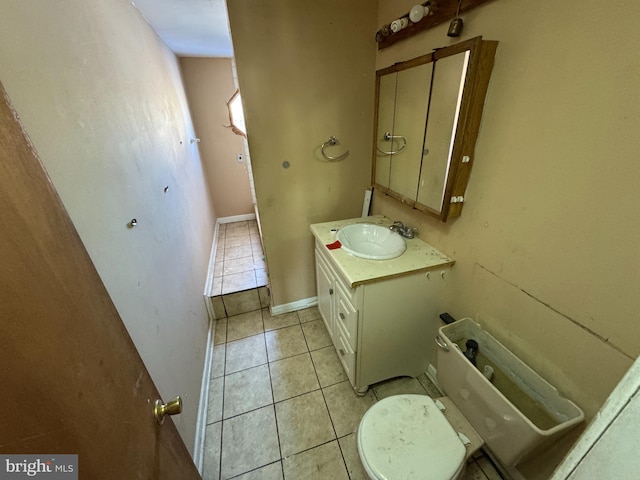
236 114
446 96
412 100
386 104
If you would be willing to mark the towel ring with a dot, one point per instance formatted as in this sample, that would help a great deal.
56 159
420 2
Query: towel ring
330 143
390 138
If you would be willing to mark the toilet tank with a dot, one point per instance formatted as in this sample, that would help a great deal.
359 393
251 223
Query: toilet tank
517 412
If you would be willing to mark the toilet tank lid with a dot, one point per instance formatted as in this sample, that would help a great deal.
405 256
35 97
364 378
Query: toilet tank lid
404 436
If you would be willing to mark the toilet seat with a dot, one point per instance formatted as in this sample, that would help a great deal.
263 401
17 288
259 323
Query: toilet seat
408 437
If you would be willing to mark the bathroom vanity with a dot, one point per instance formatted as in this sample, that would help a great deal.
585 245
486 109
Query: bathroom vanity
382 315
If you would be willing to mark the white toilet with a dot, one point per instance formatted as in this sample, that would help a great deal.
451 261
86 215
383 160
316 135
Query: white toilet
414 437
404 436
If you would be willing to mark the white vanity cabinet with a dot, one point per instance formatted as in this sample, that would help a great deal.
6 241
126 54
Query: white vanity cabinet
382 315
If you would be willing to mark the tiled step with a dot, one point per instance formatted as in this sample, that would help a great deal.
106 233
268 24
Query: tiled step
240 302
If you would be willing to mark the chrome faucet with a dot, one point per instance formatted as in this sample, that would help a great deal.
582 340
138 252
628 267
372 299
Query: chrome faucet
405 231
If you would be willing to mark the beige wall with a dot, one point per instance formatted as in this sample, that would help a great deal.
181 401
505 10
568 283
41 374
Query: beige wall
102 100
209 86
306 73
547 244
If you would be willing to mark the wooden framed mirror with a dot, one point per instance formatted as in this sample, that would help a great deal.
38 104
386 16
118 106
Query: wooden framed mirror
427 116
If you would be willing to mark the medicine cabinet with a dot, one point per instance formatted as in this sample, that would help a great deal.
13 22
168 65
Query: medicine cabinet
427 118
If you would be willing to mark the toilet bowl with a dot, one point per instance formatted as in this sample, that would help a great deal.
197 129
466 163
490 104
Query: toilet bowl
408 437
515 413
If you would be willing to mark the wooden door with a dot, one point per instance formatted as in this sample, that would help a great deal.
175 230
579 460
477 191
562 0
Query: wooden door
71 379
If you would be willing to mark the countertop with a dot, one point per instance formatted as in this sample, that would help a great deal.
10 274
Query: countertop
419 256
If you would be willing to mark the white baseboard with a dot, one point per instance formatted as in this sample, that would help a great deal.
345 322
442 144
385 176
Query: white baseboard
237 218
294 306
201 424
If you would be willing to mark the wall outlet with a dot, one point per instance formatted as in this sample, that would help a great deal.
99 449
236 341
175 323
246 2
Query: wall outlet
240 157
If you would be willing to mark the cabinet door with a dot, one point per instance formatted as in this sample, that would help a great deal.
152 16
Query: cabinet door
385 112
325 285
449 76
412 100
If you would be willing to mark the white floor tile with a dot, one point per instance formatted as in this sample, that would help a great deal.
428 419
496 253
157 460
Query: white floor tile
249 441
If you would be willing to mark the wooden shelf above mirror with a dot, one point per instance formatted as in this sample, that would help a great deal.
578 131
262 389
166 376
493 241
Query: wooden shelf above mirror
442 11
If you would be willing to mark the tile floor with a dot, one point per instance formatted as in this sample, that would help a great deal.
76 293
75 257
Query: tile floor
281 407
239 263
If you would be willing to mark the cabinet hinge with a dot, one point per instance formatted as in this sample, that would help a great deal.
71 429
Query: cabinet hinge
458 199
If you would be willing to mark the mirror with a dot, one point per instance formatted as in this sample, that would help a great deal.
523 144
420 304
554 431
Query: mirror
386 105
412 100
427 119
446 96
402 110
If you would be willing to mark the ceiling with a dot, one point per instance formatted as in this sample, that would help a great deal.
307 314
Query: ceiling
190 28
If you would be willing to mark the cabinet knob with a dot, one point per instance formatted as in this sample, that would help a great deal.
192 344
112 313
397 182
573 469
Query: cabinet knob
342 315
331 291
341 352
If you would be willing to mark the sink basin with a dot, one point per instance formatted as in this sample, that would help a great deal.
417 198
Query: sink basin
369 241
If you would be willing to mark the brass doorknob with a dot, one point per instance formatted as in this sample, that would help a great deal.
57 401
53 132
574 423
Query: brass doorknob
172 407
